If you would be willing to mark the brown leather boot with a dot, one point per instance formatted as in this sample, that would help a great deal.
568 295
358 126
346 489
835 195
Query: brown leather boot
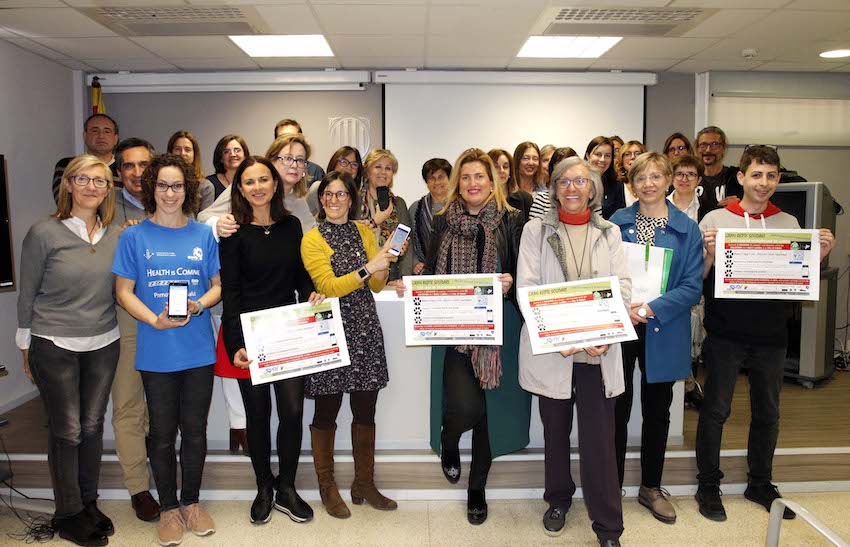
322 441
363 487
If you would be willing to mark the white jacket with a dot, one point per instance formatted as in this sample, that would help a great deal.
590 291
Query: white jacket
542 261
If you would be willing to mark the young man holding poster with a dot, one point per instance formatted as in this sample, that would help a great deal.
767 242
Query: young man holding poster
744 334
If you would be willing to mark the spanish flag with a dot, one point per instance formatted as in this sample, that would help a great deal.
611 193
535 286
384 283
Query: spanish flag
97 104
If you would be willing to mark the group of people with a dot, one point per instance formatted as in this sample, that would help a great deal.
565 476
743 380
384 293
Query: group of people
272 230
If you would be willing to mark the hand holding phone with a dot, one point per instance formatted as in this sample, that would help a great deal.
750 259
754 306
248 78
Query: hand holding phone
383 197
400 235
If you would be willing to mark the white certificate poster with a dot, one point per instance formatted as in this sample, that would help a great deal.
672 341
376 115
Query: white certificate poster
451 310
294 340
767 264
649 270
575 314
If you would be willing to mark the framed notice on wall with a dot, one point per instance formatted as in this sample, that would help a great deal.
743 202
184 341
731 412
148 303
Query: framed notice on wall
7 269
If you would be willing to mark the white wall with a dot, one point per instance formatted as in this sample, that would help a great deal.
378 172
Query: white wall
36 106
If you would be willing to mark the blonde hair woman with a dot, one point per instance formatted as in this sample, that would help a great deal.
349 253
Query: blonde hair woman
68 333
477 232
290 153
379 168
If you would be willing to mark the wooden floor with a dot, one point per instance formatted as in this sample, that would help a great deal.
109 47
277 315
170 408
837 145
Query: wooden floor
809 418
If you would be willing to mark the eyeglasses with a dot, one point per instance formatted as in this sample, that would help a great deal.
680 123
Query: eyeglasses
289 160
342 195
713 145
680 148
580 182
632 154
654 177
163 187
685 176
231 151
345 163
83 181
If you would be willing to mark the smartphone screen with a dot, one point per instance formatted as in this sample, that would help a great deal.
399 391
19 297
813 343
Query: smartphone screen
399 237
178 299
383 197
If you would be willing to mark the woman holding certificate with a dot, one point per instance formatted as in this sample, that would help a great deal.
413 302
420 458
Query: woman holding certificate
573 242
663 325
345 261
261 268
477 232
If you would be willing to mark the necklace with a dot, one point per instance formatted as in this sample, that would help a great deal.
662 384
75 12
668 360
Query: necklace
266 229
91 232
583 248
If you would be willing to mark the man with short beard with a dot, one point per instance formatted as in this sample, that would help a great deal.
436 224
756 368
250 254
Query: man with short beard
720 182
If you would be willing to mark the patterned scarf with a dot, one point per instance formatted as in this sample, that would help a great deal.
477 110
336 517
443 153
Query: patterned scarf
461 243
388 226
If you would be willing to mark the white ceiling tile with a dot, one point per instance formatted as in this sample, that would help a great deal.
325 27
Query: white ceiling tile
296 62
377 46
657 48
819 4
608 3
470 46
731 48
704 65
811 51
73 64
97 48
51 22
534 4
842 68
473 63
812 66
229 63
795 26
727 3
383 62
190 47
726 22
291 19
550 63
243 2
353 19
633 64
123 3
6 4
493 22
369 2
131 65
37 48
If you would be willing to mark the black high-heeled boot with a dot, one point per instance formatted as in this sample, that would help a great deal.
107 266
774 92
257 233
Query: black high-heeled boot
449 460
476 507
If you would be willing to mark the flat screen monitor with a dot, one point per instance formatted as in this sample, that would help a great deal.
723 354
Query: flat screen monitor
7 278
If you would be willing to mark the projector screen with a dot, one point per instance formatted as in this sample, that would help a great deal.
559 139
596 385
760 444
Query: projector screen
425 121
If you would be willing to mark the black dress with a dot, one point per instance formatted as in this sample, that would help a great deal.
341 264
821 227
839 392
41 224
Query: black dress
368 369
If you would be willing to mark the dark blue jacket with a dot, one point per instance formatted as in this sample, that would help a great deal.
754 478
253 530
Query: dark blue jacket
668 333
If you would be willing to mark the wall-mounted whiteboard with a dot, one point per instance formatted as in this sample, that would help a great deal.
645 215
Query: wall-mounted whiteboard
423 121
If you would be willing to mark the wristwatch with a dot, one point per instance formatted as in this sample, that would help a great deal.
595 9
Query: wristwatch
200 309
364 273
642 311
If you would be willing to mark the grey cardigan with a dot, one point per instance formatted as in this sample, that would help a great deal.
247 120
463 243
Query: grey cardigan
66 289
542 261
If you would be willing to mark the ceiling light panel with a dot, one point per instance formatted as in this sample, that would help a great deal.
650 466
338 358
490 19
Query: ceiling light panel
303 45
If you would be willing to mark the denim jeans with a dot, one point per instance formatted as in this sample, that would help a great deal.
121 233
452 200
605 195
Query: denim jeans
723 360
75 390
178 399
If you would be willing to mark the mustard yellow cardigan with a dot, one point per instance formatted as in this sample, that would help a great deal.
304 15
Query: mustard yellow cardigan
316 255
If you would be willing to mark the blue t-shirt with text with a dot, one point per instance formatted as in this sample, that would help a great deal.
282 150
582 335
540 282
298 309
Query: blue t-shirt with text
153 256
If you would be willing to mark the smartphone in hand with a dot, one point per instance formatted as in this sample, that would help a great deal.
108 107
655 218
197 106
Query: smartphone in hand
400 235
383 197
178 299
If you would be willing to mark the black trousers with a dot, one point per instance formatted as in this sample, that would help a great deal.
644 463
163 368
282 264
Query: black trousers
723 360
289 399
362 409
466 408
655 400
75 390
596 451
178 400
